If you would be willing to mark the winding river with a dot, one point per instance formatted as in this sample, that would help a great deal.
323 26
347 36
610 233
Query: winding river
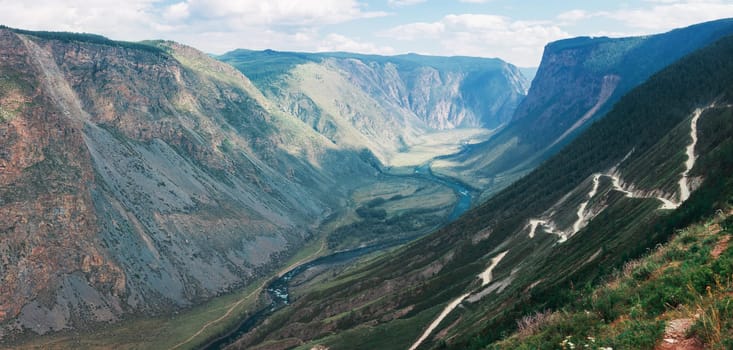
463 194
279 289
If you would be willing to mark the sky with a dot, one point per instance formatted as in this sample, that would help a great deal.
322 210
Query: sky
515 31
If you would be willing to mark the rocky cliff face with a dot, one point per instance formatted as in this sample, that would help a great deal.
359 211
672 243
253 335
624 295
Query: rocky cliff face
471 92
47 217
580 79
384 102
139 180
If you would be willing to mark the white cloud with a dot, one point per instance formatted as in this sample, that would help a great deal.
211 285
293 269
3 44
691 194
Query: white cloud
413 31
128 20
214 26
476 22
401 3
662 15
337 42
664 1
176 12
275 12
145 19
519 42
474 1
668 15
574 15
221 25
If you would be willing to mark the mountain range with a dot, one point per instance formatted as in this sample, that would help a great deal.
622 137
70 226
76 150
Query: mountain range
148 188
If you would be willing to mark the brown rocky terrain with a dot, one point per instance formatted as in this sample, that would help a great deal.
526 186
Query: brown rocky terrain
49 227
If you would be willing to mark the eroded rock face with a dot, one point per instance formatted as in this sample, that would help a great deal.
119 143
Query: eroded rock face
478 93
396 96
48 224
144 180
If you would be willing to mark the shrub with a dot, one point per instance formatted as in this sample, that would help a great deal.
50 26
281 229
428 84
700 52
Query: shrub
715 310
638 334
531 324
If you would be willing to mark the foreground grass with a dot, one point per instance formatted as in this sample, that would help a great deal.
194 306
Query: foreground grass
688 279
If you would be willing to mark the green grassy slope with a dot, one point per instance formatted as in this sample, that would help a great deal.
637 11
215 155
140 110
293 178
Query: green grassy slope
389 302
